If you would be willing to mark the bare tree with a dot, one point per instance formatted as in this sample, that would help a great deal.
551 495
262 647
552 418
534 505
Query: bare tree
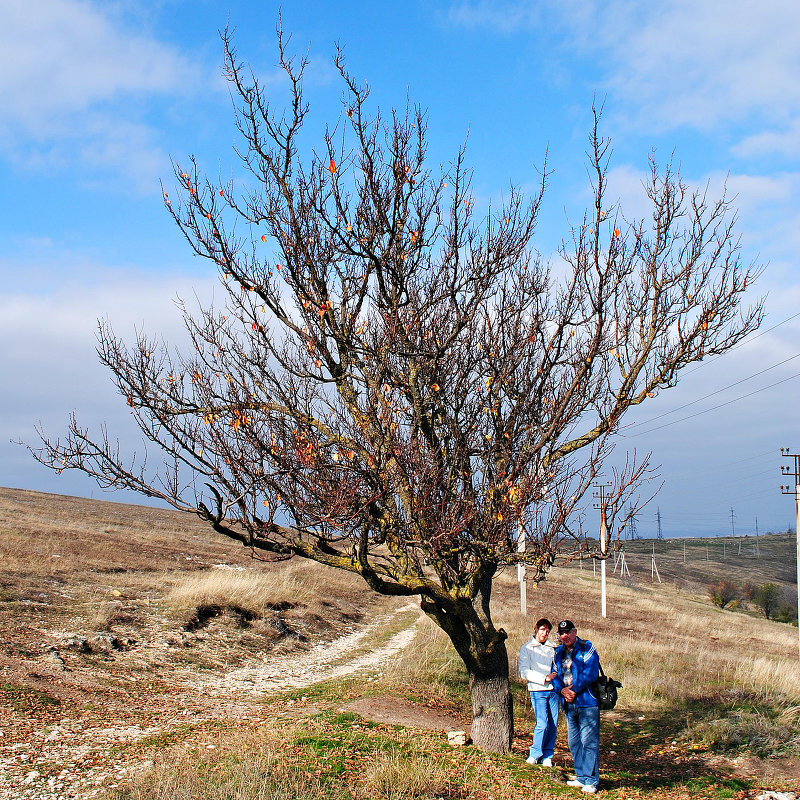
400 387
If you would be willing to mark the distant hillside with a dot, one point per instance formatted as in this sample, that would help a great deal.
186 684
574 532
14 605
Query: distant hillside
698 562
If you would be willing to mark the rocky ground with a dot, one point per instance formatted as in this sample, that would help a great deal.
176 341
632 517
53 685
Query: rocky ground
67 729
97 667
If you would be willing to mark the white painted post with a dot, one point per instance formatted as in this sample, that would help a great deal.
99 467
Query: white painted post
523 584
603 535
797 535
795 476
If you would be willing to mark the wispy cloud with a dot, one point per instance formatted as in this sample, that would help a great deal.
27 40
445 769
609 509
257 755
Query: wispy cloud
782 143
506 17
701 63
75 85
693 63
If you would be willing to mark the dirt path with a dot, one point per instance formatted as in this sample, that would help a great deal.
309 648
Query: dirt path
78 755
336 659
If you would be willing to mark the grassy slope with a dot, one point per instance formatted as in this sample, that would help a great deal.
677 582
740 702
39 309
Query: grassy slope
702 686
741 559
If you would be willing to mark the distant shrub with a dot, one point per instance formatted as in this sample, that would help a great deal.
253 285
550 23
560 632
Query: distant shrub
787 610
749 591
768 597
723 593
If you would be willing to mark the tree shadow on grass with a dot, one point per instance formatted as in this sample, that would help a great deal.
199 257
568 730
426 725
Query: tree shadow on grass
648 752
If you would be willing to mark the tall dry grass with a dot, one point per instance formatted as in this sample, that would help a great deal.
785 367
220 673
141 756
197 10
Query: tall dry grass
664 644
256 592
392 776
241 768
290 760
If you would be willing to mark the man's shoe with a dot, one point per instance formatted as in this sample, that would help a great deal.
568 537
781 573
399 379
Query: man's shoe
576 783
530 760
547 762
589 788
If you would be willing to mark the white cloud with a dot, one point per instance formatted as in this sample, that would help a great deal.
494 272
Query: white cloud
699 63
48 323
694 63
784 143
506 17
60 56
71 83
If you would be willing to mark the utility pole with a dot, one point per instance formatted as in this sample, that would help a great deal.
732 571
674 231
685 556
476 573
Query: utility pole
758 553
733 530
653 567
659 534
795 474
603 540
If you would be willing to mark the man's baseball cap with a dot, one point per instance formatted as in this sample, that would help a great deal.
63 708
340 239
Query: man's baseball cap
565 626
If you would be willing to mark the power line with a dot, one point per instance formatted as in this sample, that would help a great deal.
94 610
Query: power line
741 344
718 391
713 408
770 452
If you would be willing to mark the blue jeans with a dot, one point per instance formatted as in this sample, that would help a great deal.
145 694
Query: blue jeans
583 736
545 706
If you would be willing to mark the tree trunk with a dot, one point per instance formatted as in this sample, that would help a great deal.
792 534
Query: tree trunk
492 712
482 648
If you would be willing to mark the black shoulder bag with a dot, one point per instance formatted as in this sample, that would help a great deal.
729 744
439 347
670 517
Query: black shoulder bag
604 688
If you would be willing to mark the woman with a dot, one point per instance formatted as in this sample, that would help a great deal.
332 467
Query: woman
535 663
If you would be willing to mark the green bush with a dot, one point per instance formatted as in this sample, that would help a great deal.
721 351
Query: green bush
764 734
768 597
787 610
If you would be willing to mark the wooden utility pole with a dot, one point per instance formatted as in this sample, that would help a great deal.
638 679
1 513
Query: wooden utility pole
789 489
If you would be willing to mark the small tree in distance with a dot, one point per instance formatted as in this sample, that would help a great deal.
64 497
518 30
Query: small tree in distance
768 598
398 386
723 593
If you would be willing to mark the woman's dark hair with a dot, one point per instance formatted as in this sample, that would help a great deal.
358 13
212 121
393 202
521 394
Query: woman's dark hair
543 621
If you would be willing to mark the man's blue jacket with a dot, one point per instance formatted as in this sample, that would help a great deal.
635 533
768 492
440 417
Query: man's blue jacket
585 671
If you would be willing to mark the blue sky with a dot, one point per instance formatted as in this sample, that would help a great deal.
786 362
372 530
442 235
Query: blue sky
96 98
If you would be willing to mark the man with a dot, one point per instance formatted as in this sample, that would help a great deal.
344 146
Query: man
577 667
535 666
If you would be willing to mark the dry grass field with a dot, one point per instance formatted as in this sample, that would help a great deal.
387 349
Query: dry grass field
694 563
143 657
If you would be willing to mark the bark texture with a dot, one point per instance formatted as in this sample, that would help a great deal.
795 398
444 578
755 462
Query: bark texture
492 710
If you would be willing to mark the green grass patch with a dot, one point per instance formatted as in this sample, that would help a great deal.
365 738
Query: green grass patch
737 722
25 699
760 732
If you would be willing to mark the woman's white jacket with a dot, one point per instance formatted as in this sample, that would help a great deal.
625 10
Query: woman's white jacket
535 664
